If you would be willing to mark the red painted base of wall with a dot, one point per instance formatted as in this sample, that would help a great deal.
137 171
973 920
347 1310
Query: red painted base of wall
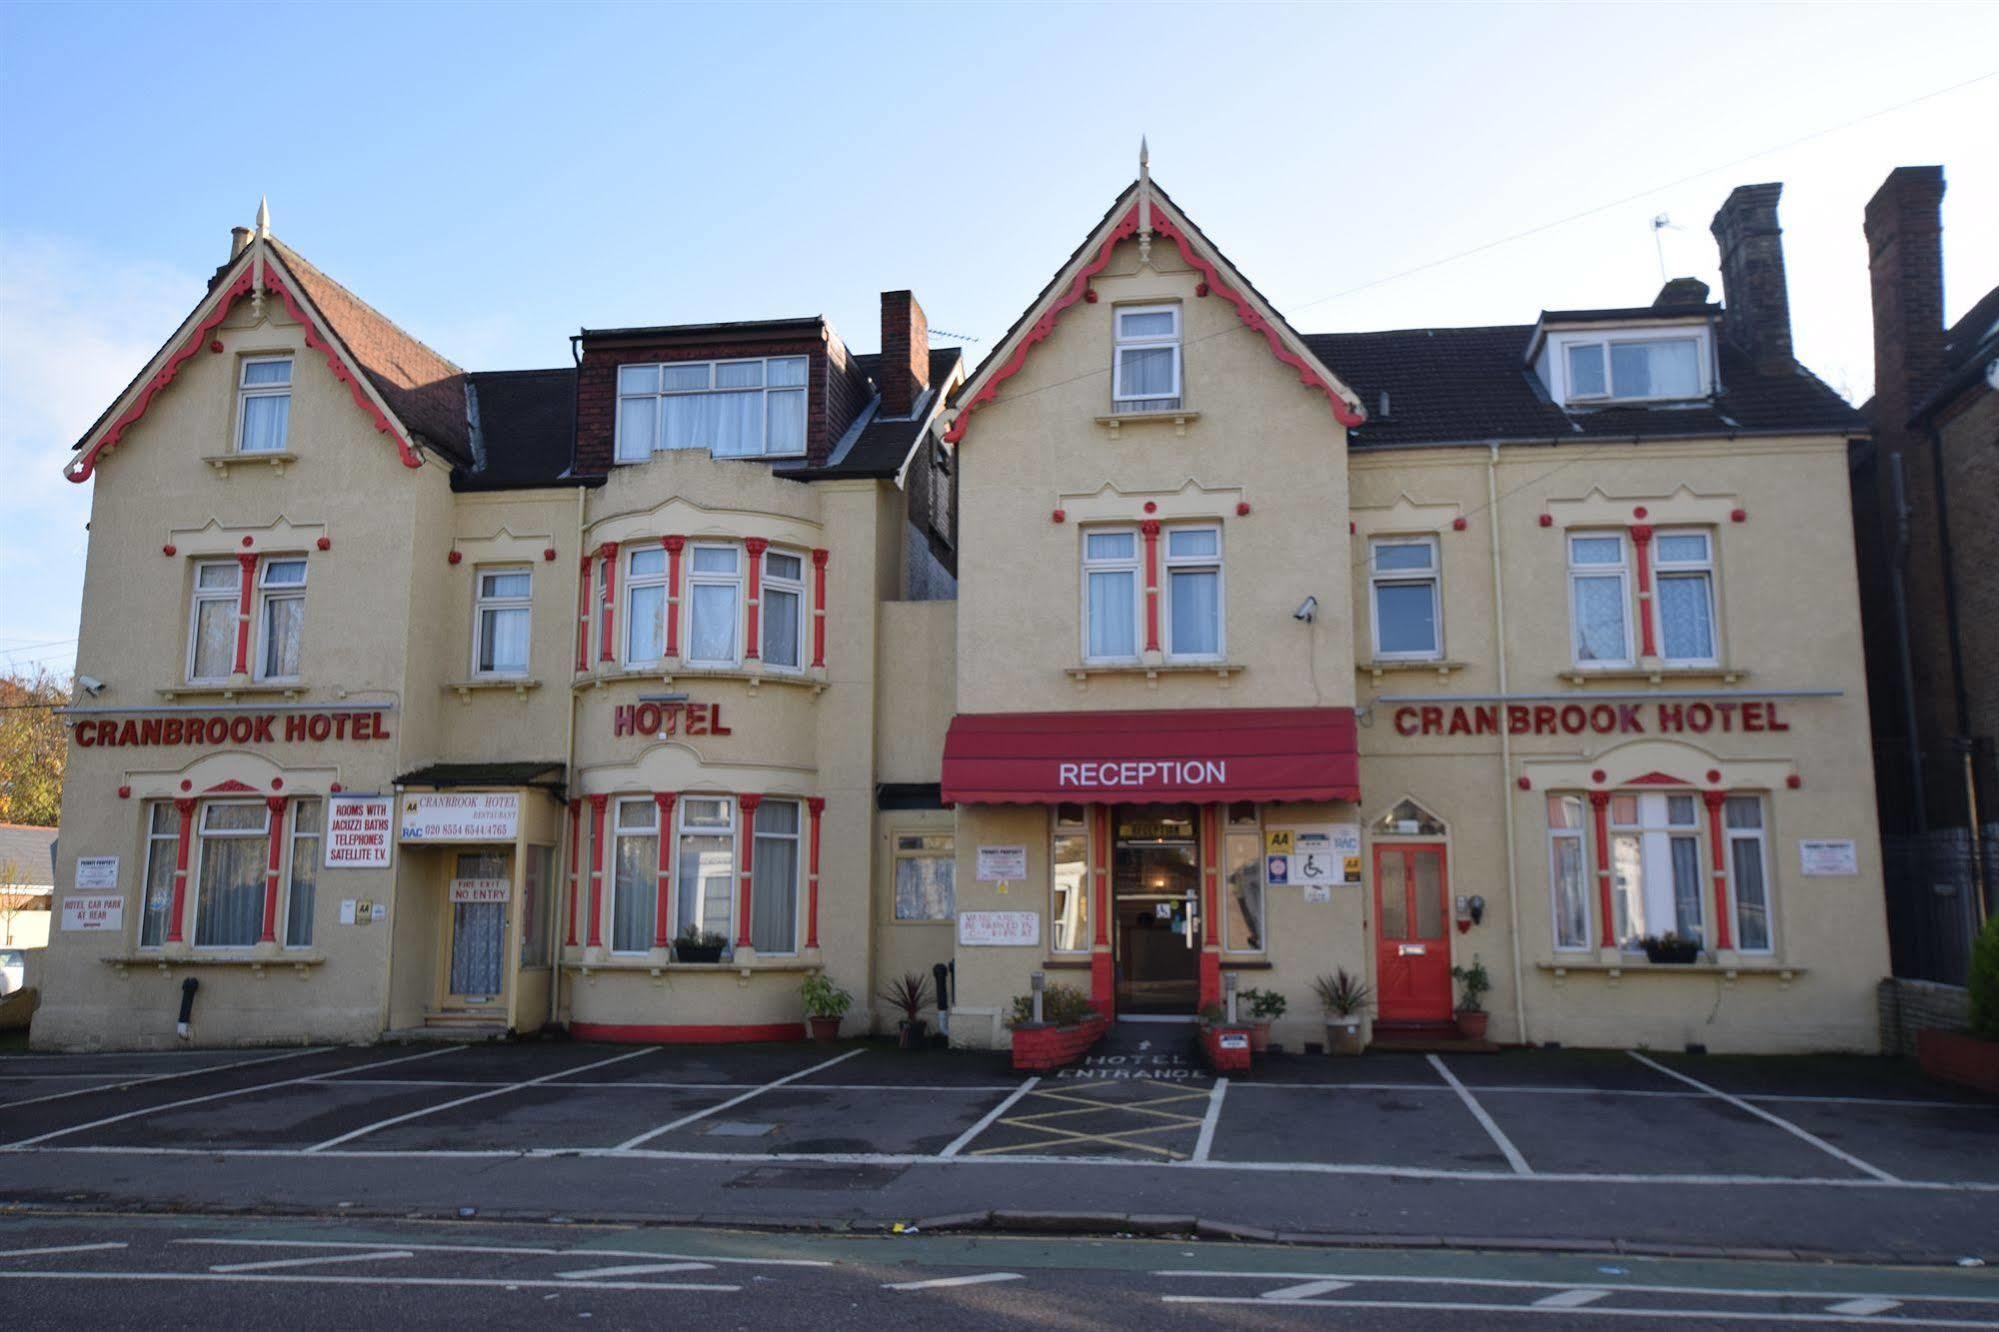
1103 984
1045 1049
1225 1061
1956 1056
1211 977
642 1034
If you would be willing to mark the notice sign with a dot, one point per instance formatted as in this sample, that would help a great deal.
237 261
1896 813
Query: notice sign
1003 929
490 816
481 890
357 832
93 911
1002 864
1828 857
96 873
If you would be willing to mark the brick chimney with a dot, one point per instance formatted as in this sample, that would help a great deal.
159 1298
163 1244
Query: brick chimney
905 359
1681 291
239 241
1756 303
1904 229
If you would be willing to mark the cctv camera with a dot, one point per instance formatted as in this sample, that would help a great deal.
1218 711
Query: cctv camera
1307 611
91 684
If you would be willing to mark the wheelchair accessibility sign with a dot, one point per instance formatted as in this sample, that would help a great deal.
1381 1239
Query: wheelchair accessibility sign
1317 858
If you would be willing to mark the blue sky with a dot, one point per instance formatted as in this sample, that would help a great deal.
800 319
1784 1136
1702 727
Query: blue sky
495 176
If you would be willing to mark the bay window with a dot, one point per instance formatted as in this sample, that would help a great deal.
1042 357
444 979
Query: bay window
734 409
1193 593
1655 860
1684 563
1402 577
635 871
1146 374
645 604
501 618
783 593
926 877
303 872
264 405
234 853
1242 868
1599 597
1110 594
1069 890
705 865
776 828
715 602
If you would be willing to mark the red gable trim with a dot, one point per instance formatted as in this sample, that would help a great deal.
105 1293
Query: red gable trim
230 786
1657 779
1127 227
276 280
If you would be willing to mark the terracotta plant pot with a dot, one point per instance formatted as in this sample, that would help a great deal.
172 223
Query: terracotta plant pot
1960 1057
1259 1036
1343 1037
824 1029
1471 1025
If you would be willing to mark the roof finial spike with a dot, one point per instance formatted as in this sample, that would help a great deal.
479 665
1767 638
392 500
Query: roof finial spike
1144 202
264 215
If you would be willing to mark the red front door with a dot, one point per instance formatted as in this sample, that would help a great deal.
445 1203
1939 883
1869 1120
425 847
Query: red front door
1412 950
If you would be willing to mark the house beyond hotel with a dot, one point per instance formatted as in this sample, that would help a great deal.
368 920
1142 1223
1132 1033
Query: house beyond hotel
1165 644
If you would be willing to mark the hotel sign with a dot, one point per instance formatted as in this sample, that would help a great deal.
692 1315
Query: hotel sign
236 728
1724 716
486 816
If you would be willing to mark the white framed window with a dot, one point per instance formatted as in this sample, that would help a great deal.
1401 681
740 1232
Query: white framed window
1407 607
211 624
1193 592
926 877
1655 866
714 605
1683 569
280 617
734 409
1242 869
783 593
778 828
1568 873
1633 369
635 874
501 616
705 868
1069 886
302 873
1599 599
645 604
264 404
234 847
1111 588
1145 376
1748 873
162 858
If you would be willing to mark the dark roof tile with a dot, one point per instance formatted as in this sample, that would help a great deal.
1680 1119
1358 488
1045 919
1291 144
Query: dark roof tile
526 426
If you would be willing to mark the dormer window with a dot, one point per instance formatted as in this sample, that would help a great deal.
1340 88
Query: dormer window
734 409
264 405
1626 370
1146 374
1619 358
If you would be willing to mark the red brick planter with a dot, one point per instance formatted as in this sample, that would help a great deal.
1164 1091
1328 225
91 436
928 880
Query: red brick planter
1235 1057
1956 1056
1044 1047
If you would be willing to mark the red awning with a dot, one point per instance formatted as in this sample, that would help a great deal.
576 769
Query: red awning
1211 754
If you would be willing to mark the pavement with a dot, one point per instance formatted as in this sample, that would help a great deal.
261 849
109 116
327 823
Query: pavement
1856 1159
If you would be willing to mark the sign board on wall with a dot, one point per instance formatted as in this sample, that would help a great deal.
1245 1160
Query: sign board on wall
485 816
481 890
96 873
1003 929
1825 857
1002 864
357 832
93 911
1317 856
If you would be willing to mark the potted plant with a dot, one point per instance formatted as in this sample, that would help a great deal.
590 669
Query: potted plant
1670 949
1265 1007
911 994
1069 1026
1472 1016
825 1004
1345 999
695 944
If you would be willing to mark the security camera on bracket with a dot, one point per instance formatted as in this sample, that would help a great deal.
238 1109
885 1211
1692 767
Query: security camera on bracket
1308 610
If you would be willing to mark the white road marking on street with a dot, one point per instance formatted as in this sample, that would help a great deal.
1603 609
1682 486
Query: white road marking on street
1784 1124
1505 1144
313 1279
1305 1290
1570 1299
635 1269
733 1101
59 1248
1511 1089
529 1250
1516 1283
1205 1143
393 1120
113 1082
634 1084
986 1121
1466 1306
212 1096
938 1283
1863 1308
310 1262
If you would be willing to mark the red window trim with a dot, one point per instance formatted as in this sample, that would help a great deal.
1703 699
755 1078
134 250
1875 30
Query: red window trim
179 905
815 806
674 546
610 564
575 847
663 889
1600 809
276 805
819 561
747 804
1641 543
1718 842
597 839
753 596
1149 529
582 626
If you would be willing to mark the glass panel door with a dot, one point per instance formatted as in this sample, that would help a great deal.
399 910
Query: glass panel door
1156 908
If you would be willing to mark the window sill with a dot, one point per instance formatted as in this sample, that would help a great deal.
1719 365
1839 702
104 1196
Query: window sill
1179 419
222 462
1221 670
231 689
669 673
1656 673
1728 970
1247 963
259 963
1065 964
1421 665
518 686
660 968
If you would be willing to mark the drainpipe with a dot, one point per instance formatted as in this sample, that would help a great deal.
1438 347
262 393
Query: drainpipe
568 789
1899 586
1966 746
1505 741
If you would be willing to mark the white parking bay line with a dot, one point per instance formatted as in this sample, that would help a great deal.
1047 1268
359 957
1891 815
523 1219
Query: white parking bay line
1762 1114
59 1248
939 1283
1306 1290
1505 1144
1570 1299
212 1096
635 1269
1205 1143
1435 1307
112 1082
270 1263
393 1120
530 1250
685 1120
964 1140
318 1279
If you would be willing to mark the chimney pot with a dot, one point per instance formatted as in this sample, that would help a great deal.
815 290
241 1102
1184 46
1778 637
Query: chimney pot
1682 291
239 241
904 374
1757 303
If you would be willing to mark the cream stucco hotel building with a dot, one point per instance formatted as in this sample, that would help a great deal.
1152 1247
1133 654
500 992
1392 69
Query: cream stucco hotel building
1165 643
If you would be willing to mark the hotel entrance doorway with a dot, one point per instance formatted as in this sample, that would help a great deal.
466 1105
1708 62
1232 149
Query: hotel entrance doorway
1156 908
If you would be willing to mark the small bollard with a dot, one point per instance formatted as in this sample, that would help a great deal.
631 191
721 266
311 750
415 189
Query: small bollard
1036 983
1228 988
